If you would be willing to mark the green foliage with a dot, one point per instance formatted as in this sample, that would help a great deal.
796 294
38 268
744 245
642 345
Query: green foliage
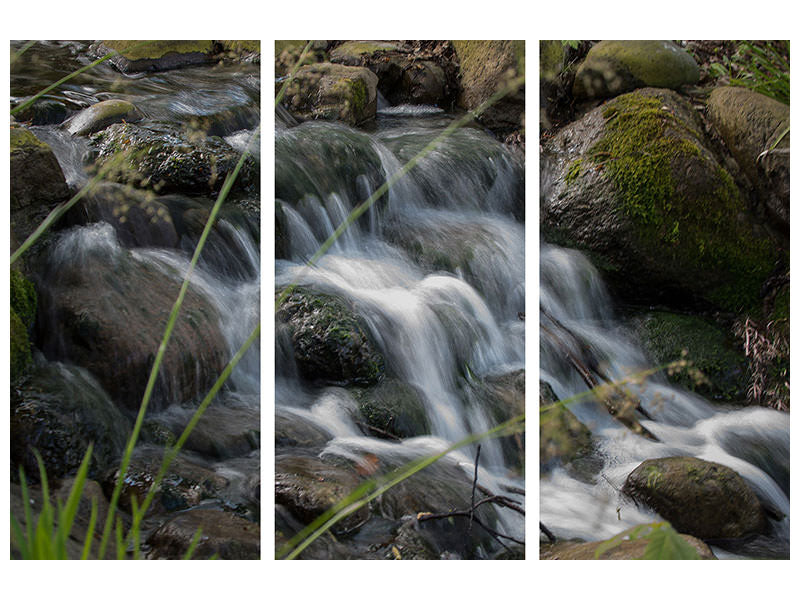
571 43
664 543
760 66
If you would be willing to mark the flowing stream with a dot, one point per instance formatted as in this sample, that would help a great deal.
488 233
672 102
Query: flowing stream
435 269
753 441
228 276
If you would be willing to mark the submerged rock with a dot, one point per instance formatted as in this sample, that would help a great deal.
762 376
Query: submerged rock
614 67
330 345
697 497
637 189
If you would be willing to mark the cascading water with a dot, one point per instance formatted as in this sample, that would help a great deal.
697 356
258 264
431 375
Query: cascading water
435 271
577 318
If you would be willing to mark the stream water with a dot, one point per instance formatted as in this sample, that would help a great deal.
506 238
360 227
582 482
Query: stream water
228 276
753 441
435 270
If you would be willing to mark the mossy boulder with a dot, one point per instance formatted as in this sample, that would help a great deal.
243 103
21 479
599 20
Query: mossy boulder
626 550
23 314
333 92
709 348
225 535
330 344
486 67
638 190
58 410
698 497
36 177
615 67
101 115
751 124
20 350
394 407
562 438
165 159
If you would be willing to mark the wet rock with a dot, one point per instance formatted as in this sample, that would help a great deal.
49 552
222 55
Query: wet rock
562 438
20 351
751 123
393 407
333 92
330 345
697 497
638 190
292 430
626 550
101 115
187 483
325 547
58 411
223 535
105 309
139 217
308 487
709 348
502 398
36 177
224 431
486 67
615 67
165 159
44 111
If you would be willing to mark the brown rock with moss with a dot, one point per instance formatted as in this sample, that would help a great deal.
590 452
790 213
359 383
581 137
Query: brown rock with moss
36 177
751 124
162 55
626 550
333 92
636 187
698 497
486 68
224 535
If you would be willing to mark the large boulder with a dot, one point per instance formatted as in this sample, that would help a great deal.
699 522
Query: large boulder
36 177
58 410
393 407
105 308
700 498
751 124
101 115
486 68
330 345
333 92
633 184
615 67
166 159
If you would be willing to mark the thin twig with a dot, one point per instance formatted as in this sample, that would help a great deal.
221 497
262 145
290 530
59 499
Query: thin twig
474 483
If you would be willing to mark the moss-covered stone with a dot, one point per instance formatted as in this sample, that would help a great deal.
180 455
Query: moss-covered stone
394 407
20 349
330 345
626 550
708 347
614 67
697 497
652 202
36 177
23 298
333 92
101 115
487 67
